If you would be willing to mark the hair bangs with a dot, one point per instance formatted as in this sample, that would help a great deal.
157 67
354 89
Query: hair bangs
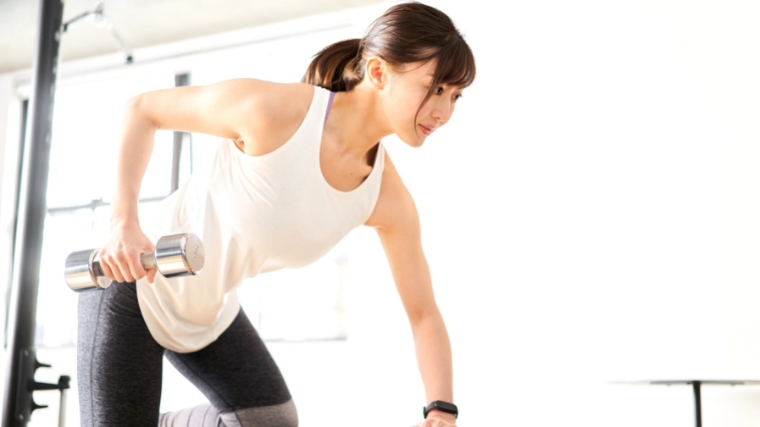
456 64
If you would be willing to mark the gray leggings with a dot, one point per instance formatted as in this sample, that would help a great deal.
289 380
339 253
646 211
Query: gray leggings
119 371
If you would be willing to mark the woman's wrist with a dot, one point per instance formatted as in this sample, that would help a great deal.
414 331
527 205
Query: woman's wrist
124 213
443 416
125 222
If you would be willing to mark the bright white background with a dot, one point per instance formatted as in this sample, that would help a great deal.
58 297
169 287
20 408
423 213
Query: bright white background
590 214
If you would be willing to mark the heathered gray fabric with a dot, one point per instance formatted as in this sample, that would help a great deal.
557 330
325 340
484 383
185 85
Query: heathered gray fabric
118 362
282 415
197 416
119 367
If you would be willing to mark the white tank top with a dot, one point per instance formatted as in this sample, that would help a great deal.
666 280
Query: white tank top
254 214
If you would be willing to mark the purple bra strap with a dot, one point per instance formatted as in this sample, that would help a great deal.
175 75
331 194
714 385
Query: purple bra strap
329 105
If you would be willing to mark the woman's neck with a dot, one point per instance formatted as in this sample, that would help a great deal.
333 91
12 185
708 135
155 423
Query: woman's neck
357 121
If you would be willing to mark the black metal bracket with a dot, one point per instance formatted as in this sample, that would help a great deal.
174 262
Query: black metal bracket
104 23
25 403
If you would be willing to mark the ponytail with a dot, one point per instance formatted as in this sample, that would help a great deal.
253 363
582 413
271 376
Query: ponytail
406 33
336 67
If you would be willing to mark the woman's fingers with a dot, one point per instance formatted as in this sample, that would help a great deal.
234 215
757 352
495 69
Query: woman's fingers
434 422
136 270
151 275
120 261
121 264
110 267
104 267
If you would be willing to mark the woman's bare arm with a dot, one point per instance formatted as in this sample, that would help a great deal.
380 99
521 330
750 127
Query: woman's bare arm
397 223
246 110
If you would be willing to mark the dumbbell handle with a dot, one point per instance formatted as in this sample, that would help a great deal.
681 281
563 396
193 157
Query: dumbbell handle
147 259
175 255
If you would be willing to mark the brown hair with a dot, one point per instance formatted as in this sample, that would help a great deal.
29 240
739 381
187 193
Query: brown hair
405 33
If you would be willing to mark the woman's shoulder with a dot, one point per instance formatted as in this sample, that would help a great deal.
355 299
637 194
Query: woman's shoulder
267 90
281 96
277 110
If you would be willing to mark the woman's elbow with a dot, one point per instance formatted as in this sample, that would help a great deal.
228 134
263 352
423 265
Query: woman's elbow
136 111
424 314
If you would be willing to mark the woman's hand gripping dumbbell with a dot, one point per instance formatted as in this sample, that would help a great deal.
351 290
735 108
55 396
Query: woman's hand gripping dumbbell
174 255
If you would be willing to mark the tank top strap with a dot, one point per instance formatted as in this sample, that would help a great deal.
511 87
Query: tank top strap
323 98
314 122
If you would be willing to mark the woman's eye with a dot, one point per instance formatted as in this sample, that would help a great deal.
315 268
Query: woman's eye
439 91
457 97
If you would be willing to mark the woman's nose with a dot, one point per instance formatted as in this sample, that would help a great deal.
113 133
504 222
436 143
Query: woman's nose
442 111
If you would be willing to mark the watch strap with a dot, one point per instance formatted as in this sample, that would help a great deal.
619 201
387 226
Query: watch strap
442 406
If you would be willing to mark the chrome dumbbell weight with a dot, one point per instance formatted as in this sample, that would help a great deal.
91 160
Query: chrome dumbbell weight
175 255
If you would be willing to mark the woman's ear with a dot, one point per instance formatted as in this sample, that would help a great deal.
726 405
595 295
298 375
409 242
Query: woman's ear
376 71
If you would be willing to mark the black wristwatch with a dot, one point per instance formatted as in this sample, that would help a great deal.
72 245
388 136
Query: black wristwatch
442 406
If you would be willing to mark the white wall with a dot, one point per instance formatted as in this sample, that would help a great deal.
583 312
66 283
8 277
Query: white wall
10 118
590 214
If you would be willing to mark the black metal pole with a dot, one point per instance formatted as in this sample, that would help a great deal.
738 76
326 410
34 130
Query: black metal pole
31 216
697 402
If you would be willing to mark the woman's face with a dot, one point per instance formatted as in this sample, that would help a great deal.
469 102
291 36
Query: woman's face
407 88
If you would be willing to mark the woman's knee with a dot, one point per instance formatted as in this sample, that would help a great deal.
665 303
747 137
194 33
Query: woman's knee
282 415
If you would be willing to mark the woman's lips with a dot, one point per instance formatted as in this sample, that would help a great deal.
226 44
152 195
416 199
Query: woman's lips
426 130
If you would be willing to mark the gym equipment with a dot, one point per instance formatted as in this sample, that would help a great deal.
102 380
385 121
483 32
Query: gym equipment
20 385
175 255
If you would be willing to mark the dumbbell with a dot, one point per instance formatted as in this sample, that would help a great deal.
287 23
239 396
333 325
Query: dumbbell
175 255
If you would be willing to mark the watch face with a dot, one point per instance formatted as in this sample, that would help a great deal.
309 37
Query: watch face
443 406
447 406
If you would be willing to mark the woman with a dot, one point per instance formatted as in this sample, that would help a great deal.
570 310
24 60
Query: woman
300 167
